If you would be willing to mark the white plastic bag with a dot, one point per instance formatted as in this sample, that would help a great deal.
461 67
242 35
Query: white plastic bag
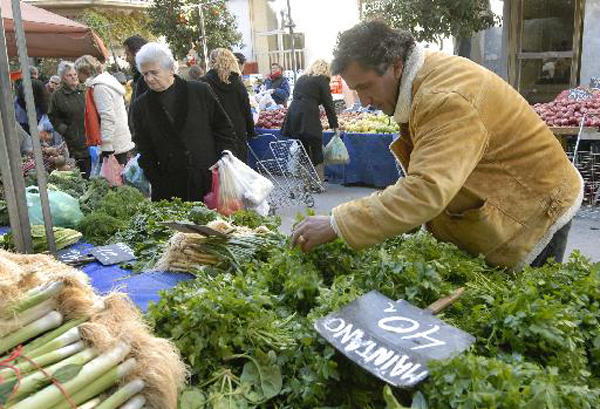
336 153
293 160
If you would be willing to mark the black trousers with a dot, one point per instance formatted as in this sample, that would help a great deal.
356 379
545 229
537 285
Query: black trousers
555 249
85 166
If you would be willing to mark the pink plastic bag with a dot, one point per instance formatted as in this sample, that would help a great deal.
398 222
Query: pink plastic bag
211 200
111 171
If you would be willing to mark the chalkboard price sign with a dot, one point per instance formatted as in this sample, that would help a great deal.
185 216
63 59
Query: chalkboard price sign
393 340
113 254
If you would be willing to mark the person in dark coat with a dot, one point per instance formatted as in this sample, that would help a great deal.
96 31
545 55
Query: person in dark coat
40 96
67 113
303 120
132 45
278 85
225 81
181 128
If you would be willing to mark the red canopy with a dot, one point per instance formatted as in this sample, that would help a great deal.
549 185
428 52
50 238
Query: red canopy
51 35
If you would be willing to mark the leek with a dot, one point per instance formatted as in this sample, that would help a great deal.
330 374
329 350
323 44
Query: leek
92 404
44 360
65 339
26 317
44 339
46 323
137 402
100 385
51 395
33 298
123 394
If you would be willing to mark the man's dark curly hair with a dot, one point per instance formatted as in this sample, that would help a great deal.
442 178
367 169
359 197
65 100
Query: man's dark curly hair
134 43
373 44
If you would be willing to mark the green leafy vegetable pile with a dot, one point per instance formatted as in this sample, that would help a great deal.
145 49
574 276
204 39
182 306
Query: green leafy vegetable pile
248 335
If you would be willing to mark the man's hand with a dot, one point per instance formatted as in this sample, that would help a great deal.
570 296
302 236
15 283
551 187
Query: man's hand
313 231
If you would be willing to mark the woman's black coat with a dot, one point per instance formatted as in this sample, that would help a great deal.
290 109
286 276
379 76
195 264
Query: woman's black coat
234 99
176 159
303 117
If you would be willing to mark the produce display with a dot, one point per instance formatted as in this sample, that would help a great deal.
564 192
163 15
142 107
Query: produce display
271 119
248 333
68 347
363 122
62 237
569 106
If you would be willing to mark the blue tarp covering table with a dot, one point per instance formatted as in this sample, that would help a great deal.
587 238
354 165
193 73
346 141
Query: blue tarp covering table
371 162
141 288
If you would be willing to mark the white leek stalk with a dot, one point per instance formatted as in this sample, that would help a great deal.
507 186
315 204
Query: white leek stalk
92 404
44 339
137 402
46 323
33 298
26 317
62 341
32 382
100 385
44 360
123 394
51 395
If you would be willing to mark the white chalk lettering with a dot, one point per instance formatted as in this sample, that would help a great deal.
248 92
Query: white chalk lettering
356 341
330 321
369 347
391 308
401 367
384 323
380 356
347 334
410 374
390 362
425 334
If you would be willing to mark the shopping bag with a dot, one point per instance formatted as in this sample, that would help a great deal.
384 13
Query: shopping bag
230 195
64 208
254 187
336 153
211 200
293 160
111 170
133 175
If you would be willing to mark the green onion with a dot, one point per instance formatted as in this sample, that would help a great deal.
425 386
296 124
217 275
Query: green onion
27 317
137 402
44 360
62 341
33 298
100 385
46 323
51 395
44 339
123 394
32 382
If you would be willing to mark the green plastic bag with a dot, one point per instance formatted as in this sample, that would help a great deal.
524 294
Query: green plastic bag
336 153
64 208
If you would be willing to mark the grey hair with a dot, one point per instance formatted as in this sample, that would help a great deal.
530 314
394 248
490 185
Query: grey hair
88 65
33 70
374 45
64 67
155 53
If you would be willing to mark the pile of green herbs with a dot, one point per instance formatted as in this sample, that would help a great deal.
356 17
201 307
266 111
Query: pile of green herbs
248 334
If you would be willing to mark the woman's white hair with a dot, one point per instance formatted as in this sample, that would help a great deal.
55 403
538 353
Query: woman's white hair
64 67
156 53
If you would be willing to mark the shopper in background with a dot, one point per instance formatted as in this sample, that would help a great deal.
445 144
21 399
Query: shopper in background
278 85
67 112
303 120
53 84
132 45
225 80
195 73
182 128
241 59
40 96
110 104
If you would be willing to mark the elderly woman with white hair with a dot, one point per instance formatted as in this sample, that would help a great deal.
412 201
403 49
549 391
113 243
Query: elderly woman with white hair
181 128
110 103
67 112
303 117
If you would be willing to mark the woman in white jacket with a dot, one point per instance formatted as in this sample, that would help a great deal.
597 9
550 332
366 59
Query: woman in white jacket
110 104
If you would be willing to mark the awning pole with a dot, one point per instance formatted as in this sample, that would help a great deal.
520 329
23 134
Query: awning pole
10 156
33 125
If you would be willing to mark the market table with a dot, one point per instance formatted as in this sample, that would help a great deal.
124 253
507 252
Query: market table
371 162
141 288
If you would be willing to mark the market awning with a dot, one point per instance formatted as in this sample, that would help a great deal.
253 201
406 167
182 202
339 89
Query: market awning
51 35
